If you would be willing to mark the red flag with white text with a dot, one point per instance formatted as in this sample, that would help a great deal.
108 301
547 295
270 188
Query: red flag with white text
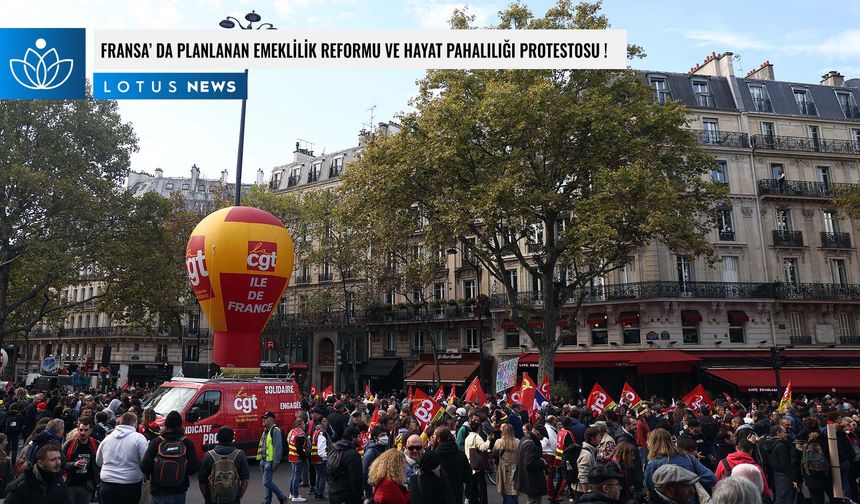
513 396
698 397
439 396
327 392
599 401
629 397
313 392
475 393
409 394
374 419
425 409
544 388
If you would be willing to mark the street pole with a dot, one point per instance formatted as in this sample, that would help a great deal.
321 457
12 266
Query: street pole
241 152
776 354
480 326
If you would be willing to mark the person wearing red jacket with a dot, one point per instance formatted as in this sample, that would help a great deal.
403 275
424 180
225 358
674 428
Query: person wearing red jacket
743 455
387 476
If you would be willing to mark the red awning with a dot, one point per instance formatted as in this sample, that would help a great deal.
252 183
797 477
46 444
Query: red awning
648 361
629 318
691 316
425 372
738 316
845 380
535 323
562 323
507 324
596 318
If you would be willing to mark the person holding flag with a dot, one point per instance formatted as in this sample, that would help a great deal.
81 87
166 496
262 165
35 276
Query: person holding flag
452 397
313 391
785 402
368 395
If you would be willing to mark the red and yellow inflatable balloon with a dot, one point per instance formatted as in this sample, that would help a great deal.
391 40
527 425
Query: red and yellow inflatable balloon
239 261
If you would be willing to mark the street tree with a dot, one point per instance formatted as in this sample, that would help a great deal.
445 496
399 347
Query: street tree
582 165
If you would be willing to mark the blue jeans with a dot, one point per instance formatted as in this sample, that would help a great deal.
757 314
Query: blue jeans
178 498
267 468
321 478
300 468
509 499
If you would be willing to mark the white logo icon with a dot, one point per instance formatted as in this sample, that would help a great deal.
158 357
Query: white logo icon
41 71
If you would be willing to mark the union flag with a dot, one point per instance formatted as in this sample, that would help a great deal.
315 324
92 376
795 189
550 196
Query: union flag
452 397
367 393
544 388
313 392
698 397
785 402
527 392
327 392
425 409
475 393
599 401
629 397
439 396
374 419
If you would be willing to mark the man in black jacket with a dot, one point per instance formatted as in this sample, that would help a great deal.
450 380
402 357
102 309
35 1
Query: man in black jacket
530 478
173 431
337 422
42 483
776 452
80 453
454 462
344 466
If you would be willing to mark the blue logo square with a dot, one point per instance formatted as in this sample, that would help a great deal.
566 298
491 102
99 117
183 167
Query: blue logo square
42 63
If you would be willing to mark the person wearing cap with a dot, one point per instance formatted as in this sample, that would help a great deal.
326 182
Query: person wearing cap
345 476
674 485
224 449
604 485
428 486
172 431
531 466
269 453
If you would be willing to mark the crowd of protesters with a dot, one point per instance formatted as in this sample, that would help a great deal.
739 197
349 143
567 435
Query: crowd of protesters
74 448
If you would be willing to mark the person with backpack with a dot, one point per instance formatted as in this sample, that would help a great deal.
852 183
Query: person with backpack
52 435
269 453
297 456
14 427
782 476
743 455
119 457
80 453
168 461
344 470
224 473
814 466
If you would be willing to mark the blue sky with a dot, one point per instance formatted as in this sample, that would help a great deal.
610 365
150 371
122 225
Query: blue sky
802 39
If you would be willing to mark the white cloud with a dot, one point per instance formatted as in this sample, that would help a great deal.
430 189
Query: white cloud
288 9
846 43
725 39
435 14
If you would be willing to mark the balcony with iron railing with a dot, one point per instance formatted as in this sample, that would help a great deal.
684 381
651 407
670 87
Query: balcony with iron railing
325 277
292 180
303 279
727 235
849 340
723 138
851 112
705 101
788 143
818 291
835 240
800 340
807 108
800 188
313 176
762 105
787 238
334 171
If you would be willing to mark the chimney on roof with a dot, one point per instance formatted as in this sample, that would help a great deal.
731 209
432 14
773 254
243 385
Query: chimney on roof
195 173
763 72
715 65
833 78
302 153
223 176
260 176
159 173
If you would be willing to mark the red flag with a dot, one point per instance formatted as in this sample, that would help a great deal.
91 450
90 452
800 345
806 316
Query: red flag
374 419
124 385
409 394
513 397
313 392
527 393
9 386
367 393
452 396
544 387
439 396
629 396
326 393
475 393
731 403
425 409
697 397
599 401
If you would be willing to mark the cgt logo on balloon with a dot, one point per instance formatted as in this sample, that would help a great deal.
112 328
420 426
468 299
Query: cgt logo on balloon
195 264
262 256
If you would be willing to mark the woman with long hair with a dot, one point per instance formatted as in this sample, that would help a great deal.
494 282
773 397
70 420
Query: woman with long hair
631 486
662 450
387 476
7 472
148 427
506 450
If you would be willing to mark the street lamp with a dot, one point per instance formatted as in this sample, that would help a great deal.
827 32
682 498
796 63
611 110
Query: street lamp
230 22
478 304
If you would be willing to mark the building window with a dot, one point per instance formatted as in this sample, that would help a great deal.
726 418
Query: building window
186 187
511 279
840 272
192 353
201 187
389 297
314 174
822 174
439 290
471 340
768 132
685 275
814 138
710 131
350 305
730 269
661 89
719 173
789 269
336 166
630 327
736 330
136 347
760 98
783 220
797 326
846 327
857 140
690 320
599 333
417 252
512 338
568 335
391 341
848 105
727 228
831 223
168 186
469 290
804 102
418 341
626 275
161 352
703 93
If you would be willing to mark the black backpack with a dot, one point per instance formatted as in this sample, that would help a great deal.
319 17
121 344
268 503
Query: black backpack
568 461
171 463
335 467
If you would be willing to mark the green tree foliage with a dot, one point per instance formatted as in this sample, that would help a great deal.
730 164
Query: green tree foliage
582 164
848 201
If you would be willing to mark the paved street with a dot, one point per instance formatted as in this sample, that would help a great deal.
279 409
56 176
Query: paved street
282 478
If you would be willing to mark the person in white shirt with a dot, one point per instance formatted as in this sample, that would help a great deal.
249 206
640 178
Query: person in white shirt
478 483
119 457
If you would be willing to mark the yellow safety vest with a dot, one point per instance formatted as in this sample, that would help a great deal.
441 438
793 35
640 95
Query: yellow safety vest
270 453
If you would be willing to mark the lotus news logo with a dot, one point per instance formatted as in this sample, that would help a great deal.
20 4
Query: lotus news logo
41 71
44 63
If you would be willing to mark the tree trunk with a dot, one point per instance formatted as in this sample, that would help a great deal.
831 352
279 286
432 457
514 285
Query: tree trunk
546 363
